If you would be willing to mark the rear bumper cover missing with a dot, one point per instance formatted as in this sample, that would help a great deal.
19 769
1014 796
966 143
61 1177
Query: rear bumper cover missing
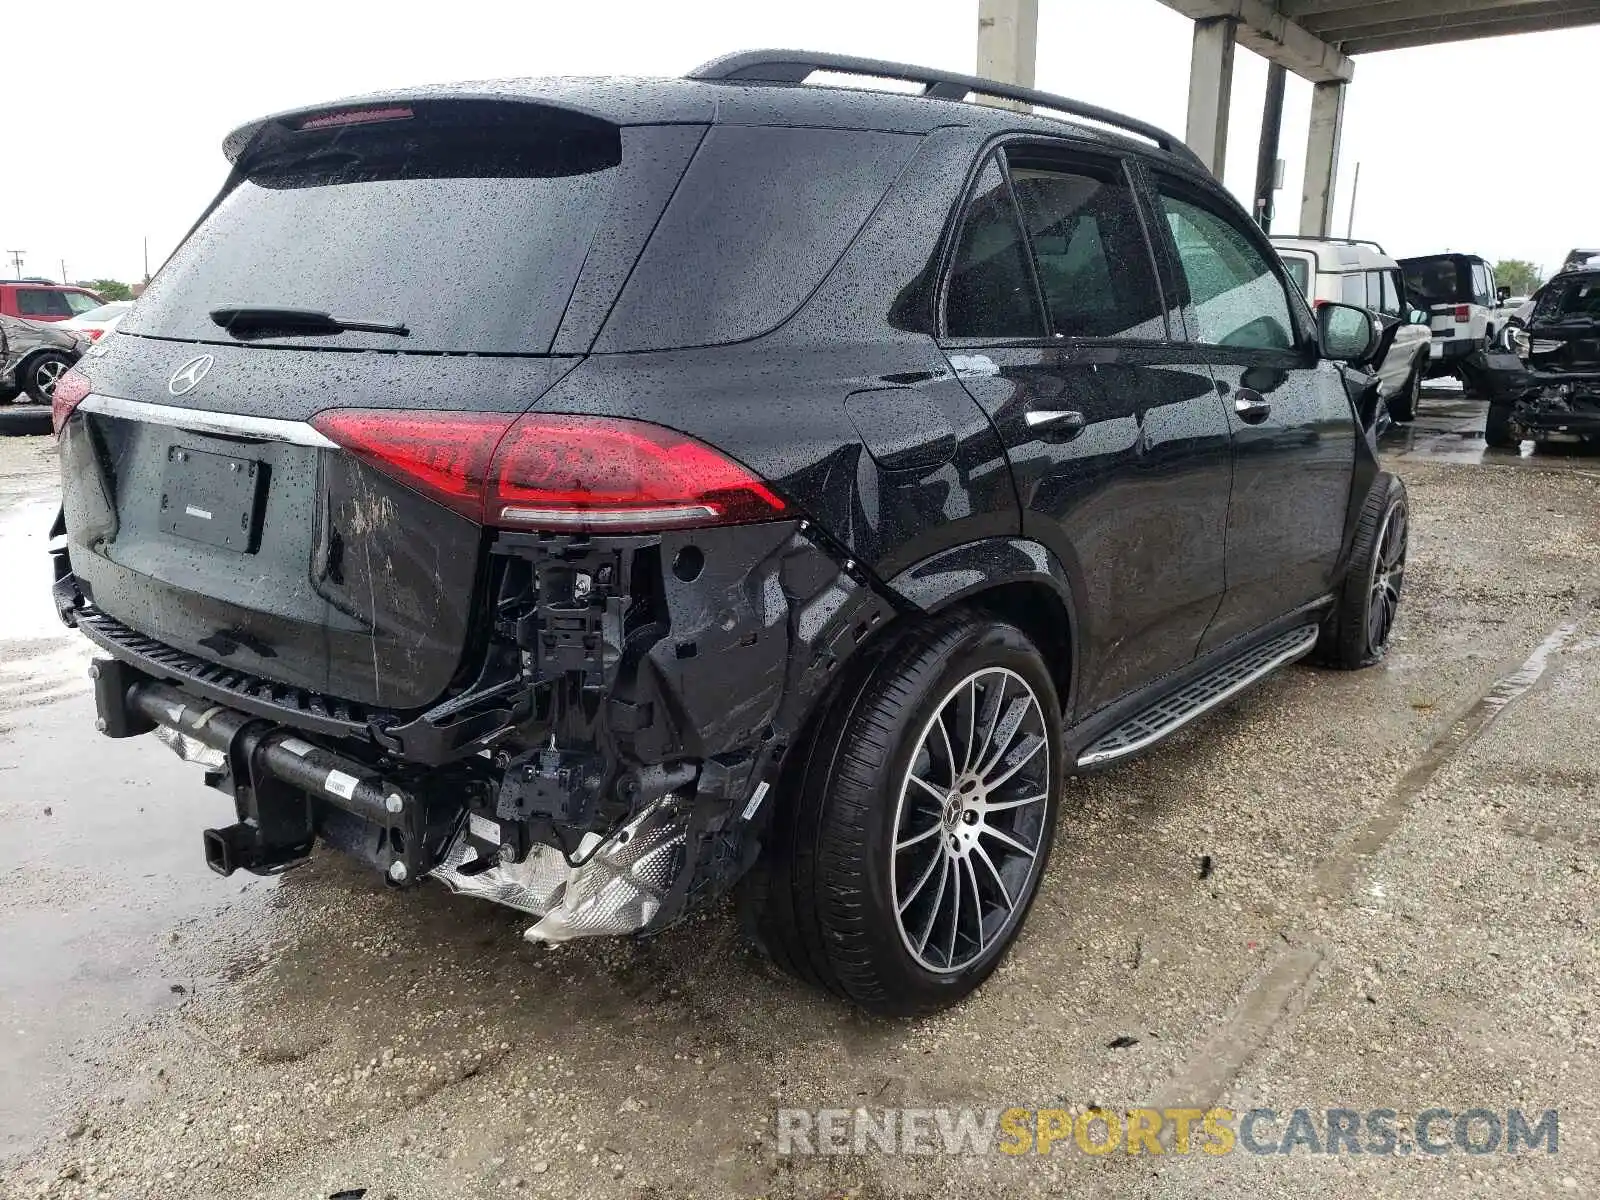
605 771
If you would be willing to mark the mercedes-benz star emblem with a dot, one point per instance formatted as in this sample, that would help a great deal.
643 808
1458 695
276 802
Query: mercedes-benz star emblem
191 373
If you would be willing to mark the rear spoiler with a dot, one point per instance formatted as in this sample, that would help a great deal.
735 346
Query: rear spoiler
419 103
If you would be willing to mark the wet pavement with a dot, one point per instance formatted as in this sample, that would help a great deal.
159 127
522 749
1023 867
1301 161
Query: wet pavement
1367 890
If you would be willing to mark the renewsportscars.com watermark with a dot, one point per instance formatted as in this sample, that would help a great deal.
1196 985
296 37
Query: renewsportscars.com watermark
1213 1131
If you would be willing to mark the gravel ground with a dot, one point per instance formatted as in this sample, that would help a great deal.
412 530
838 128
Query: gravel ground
1371 890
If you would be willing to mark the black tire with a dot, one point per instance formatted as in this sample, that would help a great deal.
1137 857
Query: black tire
1403 405
827 899
39 375
1356 633
1499 430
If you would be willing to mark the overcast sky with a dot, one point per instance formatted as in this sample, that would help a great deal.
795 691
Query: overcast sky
143 98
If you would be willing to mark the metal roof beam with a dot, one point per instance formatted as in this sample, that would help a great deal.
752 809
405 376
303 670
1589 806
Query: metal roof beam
1568 19
1422 16
1265 30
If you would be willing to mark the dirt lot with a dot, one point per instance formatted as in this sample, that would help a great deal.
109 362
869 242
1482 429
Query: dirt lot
1374 890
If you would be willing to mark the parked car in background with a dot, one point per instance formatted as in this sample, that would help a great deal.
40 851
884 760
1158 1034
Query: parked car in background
1544 381
1458 293
42 300
641 553
1345 271
98 322
34 357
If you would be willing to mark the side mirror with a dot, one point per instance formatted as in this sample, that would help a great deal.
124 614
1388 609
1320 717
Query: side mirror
1349 334
1420 316
1502 294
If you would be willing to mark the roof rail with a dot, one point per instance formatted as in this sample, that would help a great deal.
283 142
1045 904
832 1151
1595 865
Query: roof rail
795 66
1311 237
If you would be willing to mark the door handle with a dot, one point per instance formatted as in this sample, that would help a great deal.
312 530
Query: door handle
1055 424
1252 407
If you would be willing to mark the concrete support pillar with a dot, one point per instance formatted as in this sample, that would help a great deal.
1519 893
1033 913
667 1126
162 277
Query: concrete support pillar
1322 159
1008 43
1267 182
1211 90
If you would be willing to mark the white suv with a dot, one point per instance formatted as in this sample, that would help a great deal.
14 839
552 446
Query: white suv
1349 271
1458 290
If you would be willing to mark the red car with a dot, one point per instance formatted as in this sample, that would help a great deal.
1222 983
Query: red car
42 300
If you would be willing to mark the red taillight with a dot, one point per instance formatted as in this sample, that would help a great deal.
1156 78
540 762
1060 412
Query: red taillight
552 471
357 116
443 455
93 334
1463 313
70 389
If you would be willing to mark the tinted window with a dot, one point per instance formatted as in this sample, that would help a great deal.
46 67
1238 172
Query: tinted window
1442 280
1238 301
469 230
990 293
42 302
1093 262
757 222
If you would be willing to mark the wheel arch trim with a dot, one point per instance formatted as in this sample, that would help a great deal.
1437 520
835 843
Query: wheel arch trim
968 572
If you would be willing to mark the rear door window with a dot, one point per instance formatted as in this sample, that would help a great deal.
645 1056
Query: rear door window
81 303
1353 289
468 223
991 293
1089 249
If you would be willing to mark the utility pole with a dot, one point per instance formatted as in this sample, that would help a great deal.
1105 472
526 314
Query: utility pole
1355 190
147 258
16 260
63 272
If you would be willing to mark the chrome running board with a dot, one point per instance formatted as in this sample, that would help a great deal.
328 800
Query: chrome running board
1173 712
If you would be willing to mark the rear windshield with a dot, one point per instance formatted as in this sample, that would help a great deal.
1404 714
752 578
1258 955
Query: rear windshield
1432 281
468 227
106 311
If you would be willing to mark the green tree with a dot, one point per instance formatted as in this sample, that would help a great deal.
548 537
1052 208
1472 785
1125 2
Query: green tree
1521 277
111 289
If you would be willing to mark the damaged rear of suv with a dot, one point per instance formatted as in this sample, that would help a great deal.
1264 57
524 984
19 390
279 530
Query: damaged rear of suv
1545 379
592 494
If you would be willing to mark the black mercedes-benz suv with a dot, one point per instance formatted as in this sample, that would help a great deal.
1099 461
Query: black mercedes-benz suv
594 494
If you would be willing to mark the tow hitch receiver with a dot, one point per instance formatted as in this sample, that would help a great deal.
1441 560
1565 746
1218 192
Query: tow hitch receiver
285 789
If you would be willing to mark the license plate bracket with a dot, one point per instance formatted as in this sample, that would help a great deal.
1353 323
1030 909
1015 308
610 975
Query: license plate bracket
213 498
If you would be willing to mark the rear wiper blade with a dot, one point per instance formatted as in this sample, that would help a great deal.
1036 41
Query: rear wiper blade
297 320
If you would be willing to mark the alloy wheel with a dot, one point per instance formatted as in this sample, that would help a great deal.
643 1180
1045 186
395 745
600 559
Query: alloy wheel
49 374
969 825
1388 573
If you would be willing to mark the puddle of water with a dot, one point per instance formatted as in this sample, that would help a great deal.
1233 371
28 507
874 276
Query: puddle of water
25 566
